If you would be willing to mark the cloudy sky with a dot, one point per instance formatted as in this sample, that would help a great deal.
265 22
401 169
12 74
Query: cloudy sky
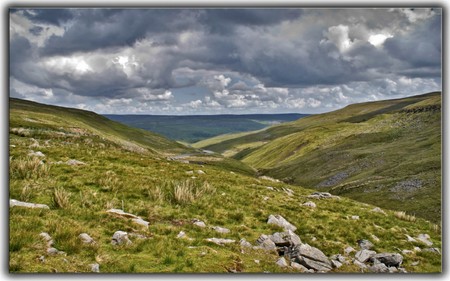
212 61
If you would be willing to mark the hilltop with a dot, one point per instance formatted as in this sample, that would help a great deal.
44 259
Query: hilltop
386 153
109 198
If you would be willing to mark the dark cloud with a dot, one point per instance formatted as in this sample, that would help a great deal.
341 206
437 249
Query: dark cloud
49 15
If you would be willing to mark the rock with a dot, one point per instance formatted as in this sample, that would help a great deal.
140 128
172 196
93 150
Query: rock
311 257
281 262
338 260
270 188
245 243
287 238
336 264
360 264
322 195
52 251
95 267
16 203
355 217
309 204
257 261
424 238
36 154
200 172
410 239
364 255
122 214
432 250
378 268
288 191
268 178
389 259
348 250
266 198
48 239
42 259
189 172
407 252
299 267
415 263
365 244
264 242
375 238
198 223
120 238
220 241
182 234
417 249
74 162
378 210
280 221
220 229
85 238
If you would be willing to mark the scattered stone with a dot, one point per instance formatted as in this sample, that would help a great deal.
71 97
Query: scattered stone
245 243
322 195
355 217
47 238
85 238
415 263
375 238
365 244
378 210
280 221
378 268
14 203
200 172
270 188
309 204
52 251
95 267
417 249
410 239
42 259
281 262
336 264
120 238
285 239
432 250
220 229
424 238
389 259
36 154
74 162
407 252
338 260
257 261
360 264
299 267
182 234
348 250
266 198
311 258
264 242
137 235
122 214
268 178
198 222
220 241
189 172
313 238
364 255
288 191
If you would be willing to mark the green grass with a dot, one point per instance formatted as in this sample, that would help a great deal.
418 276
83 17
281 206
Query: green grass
364 151
163 192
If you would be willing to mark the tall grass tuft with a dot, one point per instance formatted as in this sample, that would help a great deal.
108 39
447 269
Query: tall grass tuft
110 182
61 198
404 216
188 191
27 168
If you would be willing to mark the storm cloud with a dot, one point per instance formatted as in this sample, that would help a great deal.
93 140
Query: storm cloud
203 61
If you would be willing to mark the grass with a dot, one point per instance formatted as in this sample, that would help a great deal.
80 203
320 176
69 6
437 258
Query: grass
386 153
160 191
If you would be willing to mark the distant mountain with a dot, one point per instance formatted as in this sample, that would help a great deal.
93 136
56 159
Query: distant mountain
386 153
193 128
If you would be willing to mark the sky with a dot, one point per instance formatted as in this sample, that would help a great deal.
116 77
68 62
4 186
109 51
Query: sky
220 61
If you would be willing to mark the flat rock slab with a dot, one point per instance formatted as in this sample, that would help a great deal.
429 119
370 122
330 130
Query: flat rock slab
122 214
280 221
16 203
220 241
389 259
311 258
364 255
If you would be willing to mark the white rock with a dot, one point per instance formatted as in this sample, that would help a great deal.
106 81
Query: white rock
220 241
14 203
424 238
220 229
85 238
120 238
375 238
378 210
355 217
348 250
281 262
266 198
95 267
182 234
198 223
74 162
280 221
245 243
309 204
189 172
410 239
36 154
200 172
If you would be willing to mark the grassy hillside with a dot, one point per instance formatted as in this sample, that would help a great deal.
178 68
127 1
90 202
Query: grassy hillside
386 153
168 193
193 128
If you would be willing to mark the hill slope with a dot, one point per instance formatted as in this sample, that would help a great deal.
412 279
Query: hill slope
386 153
80 176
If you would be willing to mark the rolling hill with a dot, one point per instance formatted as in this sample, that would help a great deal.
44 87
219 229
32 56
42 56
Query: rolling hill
98 196
386 153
